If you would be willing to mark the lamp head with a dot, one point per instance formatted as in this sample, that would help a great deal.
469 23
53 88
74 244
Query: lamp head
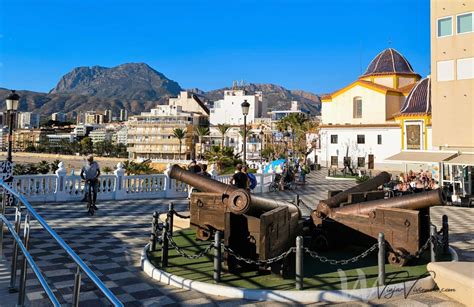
245 107
12 100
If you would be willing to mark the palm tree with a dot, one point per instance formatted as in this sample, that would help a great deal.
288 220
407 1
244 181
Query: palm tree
43 167
180 134
223 129
54 165
201 132
247 134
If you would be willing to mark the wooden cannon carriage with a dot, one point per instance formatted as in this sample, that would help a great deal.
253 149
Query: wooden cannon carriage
254 227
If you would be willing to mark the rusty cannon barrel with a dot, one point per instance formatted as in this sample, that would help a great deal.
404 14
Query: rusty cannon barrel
366 186
238 200
324 206
413 201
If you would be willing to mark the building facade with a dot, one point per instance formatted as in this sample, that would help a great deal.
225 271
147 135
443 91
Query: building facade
358 122
59 117
229 111
28 120
151 134
452 65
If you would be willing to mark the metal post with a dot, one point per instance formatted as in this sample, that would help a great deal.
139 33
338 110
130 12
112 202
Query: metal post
24 268
381 260
245 140
11 116
217 256
445 235
77 288
432 243
154 228
299 263
164 246
12 287
297 199
170 218
2 212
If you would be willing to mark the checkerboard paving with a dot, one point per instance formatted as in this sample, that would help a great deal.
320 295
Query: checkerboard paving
111 243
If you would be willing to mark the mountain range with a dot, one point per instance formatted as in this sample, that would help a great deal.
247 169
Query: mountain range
137 87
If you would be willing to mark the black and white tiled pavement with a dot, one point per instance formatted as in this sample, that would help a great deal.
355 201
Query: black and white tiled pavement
111 243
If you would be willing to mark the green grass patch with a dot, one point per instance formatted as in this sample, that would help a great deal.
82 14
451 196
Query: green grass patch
318 275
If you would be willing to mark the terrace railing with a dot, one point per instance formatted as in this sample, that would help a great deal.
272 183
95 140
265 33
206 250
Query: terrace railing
39 185
61 187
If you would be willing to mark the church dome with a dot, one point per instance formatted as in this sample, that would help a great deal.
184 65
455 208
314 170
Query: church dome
419 99
389 61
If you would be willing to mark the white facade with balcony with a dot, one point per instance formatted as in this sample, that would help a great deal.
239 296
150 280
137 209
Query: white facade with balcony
229 111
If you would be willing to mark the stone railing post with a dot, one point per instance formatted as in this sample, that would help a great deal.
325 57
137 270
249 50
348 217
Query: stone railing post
120 192
168 185
61 193
213 171
261 176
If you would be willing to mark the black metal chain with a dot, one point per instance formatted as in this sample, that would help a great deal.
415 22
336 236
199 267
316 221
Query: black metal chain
180 215
183 253
260 262
417 254
324 259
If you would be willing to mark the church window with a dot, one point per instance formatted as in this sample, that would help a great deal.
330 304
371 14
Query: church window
357 107
360 139
333 138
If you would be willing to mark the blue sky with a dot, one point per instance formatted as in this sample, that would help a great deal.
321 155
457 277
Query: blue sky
313 45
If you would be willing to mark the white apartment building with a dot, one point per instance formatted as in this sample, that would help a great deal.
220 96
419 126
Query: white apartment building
55 139
121 136
229 111
101 135
151 134
28 120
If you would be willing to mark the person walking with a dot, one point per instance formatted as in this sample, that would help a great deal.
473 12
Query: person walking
240 179
90 173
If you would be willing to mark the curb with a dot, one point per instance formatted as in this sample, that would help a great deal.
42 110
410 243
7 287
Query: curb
288 296
340 178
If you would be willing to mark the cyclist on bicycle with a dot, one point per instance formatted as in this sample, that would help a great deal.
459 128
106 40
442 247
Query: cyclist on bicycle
90 173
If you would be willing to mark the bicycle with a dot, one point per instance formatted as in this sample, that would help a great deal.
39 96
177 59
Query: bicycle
88 196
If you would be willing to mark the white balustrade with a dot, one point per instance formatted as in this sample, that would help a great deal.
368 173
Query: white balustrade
61 187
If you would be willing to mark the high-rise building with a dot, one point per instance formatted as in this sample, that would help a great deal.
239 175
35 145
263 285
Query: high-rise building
28 120
108 116
59 117
123 115
452 88
90 118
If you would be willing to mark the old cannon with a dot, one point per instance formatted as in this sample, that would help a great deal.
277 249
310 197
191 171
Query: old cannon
404 220
254 227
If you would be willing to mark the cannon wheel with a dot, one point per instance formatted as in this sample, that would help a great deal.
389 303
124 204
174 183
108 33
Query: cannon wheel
398 257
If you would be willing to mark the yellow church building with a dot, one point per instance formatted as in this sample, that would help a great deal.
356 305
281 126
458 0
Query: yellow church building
384 111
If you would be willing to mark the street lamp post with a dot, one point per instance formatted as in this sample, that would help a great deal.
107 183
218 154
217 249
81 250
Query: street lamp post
286 137
261 145
12 101
245 111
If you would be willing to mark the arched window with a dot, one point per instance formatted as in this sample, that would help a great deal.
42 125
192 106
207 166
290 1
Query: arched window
357 107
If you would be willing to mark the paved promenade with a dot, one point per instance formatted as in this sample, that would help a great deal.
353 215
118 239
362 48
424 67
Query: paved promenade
111 242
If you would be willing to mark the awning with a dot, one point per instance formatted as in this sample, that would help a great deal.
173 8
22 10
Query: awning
462 159
420 156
